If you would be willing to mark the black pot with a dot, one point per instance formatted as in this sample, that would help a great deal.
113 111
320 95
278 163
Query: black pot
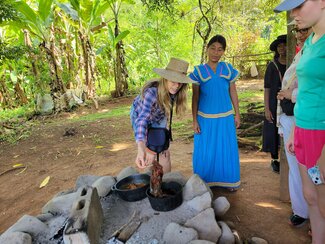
173 198
132 195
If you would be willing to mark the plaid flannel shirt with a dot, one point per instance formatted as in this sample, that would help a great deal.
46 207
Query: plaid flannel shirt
146 111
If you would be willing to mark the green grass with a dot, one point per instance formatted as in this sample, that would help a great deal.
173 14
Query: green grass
21 112
116 112
247 98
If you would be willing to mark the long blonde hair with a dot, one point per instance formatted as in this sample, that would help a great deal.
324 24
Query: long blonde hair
164 99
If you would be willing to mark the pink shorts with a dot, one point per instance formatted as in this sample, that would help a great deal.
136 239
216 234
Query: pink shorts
308 145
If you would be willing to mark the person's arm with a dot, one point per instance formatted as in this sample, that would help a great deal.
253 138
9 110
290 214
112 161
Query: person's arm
235 103
321 164
195 102
268 78
144 158
290 143
268 114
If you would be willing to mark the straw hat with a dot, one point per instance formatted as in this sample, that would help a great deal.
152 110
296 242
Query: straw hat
175 71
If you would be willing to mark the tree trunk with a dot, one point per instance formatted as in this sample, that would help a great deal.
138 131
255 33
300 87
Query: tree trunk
89 66
4 94
120 70
20 94
32 56
204 34
56 85
284 167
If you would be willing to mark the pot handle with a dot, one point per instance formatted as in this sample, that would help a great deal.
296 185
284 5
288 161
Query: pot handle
113 188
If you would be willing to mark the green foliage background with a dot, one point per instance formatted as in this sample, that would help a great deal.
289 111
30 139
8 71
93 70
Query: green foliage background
154 31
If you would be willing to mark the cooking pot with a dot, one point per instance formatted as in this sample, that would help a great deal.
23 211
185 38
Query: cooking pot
173 197
132 195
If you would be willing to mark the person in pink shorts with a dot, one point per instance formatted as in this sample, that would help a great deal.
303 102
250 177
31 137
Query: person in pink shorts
308 139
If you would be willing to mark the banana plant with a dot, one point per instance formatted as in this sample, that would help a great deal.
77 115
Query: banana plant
86 15
39 22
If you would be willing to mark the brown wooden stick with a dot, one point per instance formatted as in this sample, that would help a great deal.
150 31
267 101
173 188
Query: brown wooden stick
250 128
9 170
117 232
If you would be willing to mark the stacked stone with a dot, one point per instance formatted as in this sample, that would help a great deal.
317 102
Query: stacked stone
76 216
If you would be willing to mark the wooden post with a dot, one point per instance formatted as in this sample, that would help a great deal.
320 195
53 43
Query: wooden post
284 175
284 167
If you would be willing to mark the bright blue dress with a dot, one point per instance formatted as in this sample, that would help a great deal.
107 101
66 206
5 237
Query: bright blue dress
215 156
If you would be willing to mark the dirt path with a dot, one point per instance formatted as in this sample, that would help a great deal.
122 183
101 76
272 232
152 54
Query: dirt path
256 210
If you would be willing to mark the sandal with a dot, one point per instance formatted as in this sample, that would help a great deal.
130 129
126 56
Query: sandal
231 189
297 221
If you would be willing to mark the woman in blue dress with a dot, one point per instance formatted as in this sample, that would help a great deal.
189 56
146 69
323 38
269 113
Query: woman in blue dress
215 156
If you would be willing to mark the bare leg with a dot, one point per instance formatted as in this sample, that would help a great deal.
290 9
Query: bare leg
164 161
317 221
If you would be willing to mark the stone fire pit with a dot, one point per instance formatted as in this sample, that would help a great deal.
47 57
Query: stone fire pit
91 213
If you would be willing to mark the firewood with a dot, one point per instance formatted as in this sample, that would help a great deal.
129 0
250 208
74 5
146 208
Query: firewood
128 230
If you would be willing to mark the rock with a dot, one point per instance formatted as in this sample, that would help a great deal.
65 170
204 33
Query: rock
62 193
200 203
230 224
45 217
85 180
44 104
221 206
174 176
176 234
86 217
257 240
126 172
28 224
227 236
206 225
60 205
194 187
200 242
15 238
238 240
104 185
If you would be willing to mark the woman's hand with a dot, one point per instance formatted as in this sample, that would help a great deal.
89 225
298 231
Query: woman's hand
144 157
237 120
285 94
141 156
268 115
196 127
290 143
150 157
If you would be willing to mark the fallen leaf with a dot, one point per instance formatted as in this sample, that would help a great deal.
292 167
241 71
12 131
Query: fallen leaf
17 165
45 182
21 171
99 147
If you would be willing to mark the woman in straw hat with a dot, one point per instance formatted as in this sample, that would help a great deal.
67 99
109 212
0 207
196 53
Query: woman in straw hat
215 156
153 106
272 85
308 138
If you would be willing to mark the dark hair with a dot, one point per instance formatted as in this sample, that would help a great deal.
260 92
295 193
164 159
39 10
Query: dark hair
220 39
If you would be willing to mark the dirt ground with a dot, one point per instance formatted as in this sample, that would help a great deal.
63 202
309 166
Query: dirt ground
104 147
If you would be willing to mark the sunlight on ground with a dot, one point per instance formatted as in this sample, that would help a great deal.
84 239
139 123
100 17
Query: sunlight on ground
119 146
254 160
75 115
267 205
